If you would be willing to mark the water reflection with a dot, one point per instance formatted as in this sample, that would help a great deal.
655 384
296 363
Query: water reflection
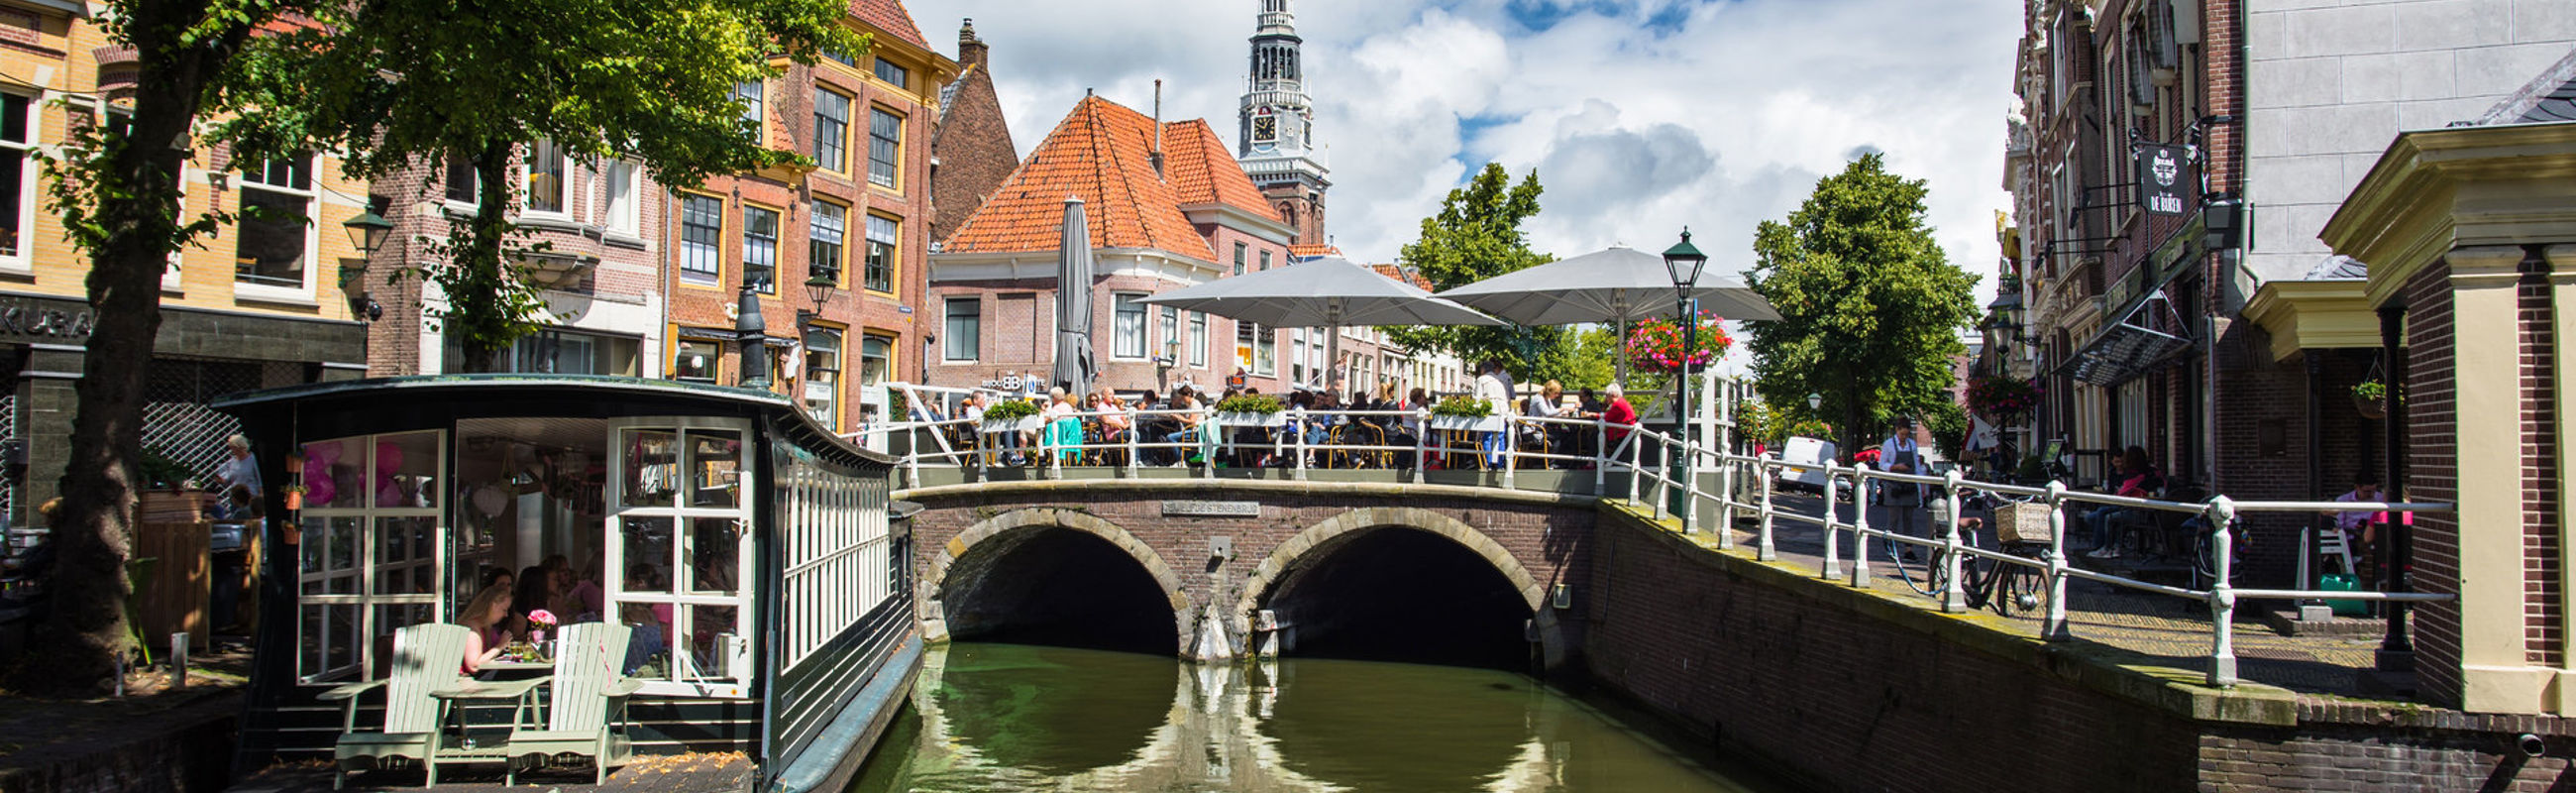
1015 717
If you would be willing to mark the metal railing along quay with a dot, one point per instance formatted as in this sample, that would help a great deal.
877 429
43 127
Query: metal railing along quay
1299 441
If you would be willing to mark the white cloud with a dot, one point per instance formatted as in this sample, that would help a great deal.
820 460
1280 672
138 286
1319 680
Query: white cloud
1642 116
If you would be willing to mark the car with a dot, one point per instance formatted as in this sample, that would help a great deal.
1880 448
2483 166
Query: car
1806 458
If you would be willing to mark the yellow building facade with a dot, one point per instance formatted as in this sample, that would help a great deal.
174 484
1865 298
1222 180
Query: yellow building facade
257 304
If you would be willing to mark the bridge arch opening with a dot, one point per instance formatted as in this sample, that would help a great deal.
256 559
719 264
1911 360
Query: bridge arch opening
1066 583
1404 593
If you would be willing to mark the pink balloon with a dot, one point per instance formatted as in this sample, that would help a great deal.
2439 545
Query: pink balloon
319 488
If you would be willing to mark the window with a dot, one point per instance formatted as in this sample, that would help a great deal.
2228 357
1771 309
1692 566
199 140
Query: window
275 243
1198 339
697 361
620 215
876 359
371 558
897 75
760 248
680 504
1265 260
831 128
881 237
555 351
823 376
885 145
701 223
1128 328
1239 250
823 234
965 328
464 185
1256 348
1171 330
749 94
546 176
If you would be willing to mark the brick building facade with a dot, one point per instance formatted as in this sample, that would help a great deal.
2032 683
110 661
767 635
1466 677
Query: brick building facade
972 144
858 219
258 304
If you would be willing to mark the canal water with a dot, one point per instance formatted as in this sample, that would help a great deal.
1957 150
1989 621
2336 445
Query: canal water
1006 717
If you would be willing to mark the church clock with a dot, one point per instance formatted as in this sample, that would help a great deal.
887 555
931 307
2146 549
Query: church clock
1265 128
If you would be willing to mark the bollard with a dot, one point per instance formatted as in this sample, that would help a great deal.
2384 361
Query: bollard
179 660
2222 595
1132 452
1954 598
1297 440
1860 525
1765 551
1833 523
1511 450
2054 628
1421 443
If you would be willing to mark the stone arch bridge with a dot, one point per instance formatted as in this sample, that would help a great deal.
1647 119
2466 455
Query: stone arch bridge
1214 570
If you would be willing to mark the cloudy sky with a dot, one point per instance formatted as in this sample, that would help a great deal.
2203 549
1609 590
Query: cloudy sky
1640 116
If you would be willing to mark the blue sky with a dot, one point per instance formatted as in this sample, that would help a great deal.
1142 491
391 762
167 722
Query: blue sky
1641 116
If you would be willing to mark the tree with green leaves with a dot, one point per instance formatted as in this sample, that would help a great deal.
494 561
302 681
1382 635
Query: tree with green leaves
399 82
1870 308
117 190
1477 235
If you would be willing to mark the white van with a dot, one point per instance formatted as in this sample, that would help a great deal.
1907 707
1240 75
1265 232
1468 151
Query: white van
1806 458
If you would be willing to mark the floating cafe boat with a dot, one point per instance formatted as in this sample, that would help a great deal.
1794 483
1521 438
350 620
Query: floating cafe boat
759 551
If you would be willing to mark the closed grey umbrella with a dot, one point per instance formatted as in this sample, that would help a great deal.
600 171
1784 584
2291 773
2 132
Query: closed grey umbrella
1073 358
1328 292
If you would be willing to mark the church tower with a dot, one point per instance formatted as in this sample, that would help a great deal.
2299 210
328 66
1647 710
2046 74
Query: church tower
1277 145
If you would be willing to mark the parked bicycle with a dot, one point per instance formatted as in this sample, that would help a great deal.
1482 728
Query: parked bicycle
2009 589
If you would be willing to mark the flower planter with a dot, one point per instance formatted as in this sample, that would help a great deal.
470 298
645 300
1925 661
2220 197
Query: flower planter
1475 423
1027 424
1247 419
2370 408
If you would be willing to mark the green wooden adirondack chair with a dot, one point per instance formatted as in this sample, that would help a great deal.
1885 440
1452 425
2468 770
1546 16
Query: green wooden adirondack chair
425 659
586 703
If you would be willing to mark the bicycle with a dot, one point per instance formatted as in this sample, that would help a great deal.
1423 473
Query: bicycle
2008 589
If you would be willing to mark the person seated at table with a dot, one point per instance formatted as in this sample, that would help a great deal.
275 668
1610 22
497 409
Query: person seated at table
1116 422
236 505
1592 402
647 642
1186 422
535 592
1547 404
2137 479
1621 416
484 635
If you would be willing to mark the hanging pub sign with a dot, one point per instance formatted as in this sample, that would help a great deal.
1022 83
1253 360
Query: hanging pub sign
2160 180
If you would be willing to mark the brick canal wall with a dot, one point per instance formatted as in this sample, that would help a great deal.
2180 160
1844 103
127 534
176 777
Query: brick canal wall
1844 689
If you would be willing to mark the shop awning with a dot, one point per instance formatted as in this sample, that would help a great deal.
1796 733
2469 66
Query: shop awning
2123 351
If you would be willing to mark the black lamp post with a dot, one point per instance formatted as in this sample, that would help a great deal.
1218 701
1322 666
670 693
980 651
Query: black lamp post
1684 262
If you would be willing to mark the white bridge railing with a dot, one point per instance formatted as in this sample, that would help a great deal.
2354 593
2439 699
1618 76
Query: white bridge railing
1400 443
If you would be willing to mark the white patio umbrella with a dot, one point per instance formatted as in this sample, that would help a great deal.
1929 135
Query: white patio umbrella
1328 292
1616 285
1073 354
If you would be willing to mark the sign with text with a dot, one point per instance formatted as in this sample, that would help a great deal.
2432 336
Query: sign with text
2160 175
1213 509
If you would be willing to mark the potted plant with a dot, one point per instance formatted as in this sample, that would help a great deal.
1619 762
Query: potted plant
294 497
1011 415
1465 413
295 461
1248 410
2003 397
1655 345
2369 397
165 497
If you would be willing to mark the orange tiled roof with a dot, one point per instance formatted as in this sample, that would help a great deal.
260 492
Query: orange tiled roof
1326 249
1204 173
1103 152
1397 272
889 16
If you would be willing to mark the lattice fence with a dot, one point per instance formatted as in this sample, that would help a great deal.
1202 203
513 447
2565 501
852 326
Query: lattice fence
176 420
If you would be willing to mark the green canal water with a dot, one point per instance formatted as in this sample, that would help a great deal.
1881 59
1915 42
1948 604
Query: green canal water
1003 717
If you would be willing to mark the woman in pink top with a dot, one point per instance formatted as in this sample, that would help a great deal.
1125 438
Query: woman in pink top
484 635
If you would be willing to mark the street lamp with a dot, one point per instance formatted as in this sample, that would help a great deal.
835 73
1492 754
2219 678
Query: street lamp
1684 262
367 232
1815 404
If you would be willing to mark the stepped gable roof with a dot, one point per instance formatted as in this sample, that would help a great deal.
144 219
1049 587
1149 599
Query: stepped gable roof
889 16
1103 153
1204 173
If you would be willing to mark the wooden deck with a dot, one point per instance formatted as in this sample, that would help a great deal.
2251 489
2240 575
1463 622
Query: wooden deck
687 773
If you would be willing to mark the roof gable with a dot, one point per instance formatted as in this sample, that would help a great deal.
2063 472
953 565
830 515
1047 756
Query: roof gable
1102 152
889 16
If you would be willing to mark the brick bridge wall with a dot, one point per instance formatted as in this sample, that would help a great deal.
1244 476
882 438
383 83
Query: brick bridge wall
1538 541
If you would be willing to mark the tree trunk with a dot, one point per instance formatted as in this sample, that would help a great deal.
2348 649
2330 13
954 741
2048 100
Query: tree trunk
482 252
85 628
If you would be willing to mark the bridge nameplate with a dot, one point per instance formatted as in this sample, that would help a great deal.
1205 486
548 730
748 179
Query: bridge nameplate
1213 509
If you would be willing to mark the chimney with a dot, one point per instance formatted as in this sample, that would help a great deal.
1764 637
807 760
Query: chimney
1158 129
970 50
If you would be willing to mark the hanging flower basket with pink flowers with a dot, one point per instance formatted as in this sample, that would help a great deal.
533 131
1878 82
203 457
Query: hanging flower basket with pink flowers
1655 345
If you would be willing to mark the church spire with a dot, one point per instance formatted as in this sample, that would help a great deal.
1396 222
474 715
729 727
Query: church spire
1276 142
